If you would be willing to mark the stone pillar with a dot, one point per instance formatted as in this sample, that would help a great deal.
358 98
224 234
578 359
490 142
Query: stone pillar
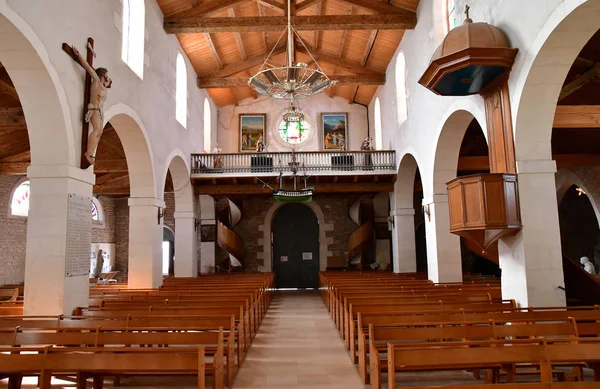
186 244
403 240
531 261
47 290
207 249
145 243
444 262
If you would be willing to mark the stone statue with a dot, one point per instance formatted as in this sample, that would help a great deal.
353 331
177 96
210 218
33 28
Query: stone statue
95 114
99 263
587 265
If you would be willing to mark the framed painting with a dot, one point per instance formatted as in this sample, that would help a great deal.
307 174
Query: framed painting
335 131
253 131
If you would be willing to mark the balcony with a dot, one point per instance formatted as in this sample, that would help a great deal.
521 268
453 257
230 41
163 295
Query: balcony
327 171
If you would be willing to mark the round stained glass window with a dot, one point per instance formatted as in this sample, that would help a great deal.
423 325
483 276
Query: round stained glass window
294 132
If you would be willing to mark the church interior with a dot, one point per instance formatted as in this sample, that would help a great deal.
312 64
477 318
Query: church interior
300 194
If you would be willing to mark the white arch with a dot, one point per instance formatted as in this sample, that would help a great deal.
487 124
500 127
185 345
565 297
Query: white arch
41 93
543 71
448 140
565 178
266 240
178 165
136 144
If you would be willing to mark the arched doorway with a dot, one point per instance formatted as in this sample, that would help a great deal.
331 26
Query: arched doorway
168 252
295 247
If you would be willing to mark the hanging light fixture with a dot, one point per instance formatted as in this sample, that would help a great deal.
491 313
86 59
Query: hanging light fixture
293 114
293 81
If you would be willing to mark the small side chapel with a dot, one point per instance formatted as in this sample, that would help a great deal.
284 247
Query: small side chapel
300 193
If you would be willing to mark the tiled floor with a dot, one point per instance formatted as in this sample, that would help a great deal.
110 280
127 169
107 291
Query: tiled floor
297 346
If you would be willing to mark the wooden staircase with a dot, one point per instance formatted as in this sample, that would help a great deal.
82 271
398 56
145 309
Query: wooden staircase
227 239
361 242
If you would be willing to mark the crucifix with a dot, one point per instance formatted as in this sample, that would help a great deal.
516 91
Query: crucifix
96 84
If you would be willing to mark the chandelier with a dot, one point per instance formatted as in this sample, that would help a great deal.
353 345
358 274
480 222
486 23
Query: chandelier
293 114
293 81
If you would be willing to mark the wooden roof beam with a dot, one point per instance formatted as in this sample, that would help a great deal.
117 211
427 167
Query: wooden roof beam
239 67
306 4
14 168
577 116
110 166
580 81
205 8
19 157
353 67
213 50
343 35
365 79
317 34
109 178
370 44
262 13
398 21
272 4
238 39
12 117
376 6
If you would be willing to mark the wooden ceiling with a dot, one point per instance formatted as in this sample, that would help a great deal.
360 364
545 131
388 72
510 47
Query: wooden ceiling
227 41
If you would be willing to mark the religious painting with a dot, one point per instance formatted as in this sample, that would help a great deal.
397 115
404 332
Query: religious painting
252 131
335 131
207 233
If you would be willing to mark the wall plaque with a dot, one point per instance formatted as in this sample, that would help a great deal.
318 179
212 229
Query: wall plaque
79 236
307 256
283 258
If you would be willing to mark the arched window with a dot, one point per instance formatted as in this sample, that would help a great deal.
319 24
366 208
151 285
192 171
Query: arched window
207 125
97 213
294 132
401 94
181 91
378 132
19 203
451 15
134 26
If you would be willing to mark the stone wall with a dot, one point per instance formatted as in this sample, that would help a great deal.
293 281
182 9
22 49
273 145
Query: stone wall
105 233
122 235
255 208
170 211
13 236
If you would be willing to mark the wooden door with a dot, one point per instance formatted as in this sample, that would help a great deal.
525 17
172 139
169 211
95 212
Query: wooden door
295 247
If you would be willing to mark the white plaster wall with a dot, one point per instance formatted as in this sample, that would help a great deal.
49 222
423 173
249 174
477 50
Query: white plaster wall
153 98
228 127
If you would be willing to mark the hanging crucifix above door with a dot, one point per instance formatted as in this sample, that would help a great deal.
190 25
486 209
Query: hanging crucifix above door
97 83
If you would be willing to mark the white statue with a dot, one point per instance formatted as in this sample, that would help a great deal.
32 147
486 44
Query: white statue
587 265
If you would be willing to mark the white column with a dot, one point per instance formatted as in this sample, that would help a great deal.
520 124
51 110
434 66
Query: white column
531 261
207 249
186 244
47 290
145 243
403 240
443 248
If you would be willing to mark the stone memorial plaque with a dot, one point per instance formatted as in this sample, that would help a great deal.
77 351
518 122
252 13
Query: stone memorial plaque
79 236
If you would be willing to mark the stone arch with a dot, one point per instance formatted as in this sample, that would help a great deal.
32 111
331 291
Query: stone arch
265 242
40 91
136 144
565 178
543 73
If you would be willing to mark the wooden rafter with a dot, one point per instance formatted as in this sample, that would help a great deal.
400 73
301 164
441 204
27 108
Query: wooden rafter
7 89
370 43
262 13
376 6
112 190
238 38
317 34
206 8
111 178
115 147
14 168
19 157
580 81
398 21
272 4
343 35
562 160
213 50
306 4
366 79
353 67
577 116
110 166
239 67
252 91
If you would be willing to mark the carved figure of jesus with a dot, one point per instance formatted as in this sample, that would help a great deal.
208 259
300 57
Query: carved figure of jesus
95 114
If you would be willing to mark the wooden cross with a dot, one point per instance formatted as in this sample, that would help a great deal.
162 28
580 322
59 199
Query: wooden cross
86 94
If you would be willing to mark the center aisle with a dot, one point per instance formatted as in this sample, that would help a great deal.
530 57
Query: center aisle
297 346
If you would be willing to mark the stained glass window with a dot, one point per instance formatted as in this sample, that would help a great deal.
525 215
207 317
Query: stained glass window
294 132
95 214
451 12
20 201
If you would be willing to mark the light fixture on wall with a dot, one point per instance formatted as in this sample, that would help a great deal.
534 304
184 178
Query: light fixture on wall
161 214
292 81
580 191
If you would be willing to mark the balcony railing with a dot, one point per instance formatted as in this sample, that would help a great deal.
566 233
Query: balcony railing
315 162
